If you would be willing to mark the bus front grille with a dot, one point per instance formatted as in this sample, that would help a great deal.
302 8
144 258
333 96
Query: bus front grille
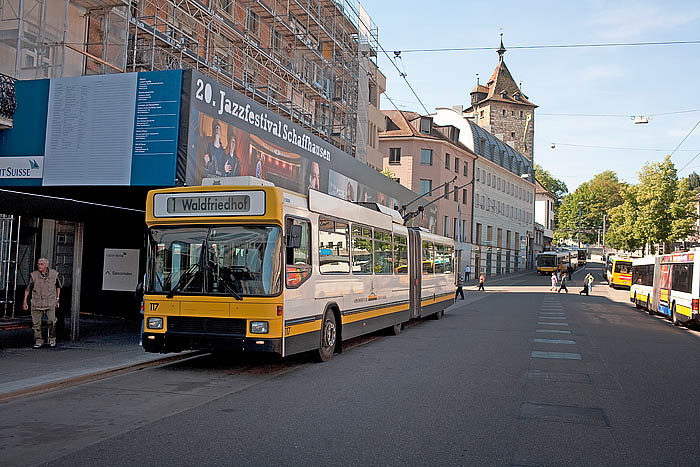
207 326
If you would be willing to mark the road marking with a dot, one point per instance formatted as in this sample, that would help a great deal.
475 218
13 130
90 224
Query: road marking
551 313
555 355
553 317
562 413
542 323
554 331
555 341
556 377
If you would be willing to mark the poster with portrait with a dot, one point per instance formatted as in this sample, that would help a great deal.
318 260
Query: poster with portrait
229 134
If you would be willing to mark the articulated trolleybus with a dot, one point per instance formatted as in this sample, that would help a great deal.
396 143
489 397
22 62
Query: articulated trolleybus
254 267
551 261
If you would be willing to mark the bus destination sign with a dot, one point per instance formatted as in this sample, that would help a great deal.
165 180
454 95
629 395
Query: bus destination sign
248 203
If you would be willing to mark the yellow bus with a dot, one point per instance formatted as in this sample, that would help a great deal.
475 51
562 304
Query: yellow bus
254 267
582 256
551 261
618 271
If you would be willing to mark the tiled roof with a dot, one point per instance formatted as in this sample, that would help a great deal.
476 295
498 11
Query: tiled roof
501 80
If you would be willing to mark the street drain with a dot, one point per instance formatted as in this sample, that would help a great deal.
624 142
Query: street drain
564 414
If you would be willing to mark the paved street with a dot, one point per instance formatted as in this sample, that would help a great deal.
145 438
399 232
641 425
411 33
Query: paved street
514 376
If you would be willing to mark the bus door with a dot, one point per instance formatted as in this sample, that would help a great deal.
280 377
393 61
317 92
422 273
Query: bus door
415 271
665 289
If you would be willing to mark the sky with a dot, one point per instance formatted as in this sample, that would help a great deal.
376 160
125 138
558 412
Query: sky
626 81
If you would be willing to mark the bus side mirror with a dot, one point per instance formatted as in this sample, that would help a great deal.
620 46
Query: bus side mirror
294 237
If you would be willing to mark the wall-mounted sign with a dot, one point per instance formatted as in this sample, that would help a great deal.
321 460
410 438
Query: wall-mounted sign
21 167
211 203
119 129
121 269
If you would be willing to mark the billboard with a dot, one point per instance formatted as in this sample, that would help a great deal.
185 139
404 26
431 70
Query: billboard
230 135
119 129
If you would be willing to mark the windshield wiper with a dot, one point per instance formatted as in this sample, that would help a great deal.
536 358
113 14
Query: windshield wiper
224 281
185 279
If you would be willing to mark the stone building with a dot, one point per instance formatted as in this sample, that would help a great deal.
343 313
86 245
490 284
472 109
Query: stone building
504 110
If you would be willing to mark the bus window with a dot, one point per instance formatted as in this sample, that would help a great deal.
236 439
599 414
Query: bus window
428 258
334 253
298 267
361 250
681 277
449 259
400 254
439 258
623 267
245 258
382 252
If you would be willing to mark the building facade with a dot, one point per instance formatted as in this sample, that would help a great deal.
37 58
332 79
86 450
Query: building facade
311 67
423 156
544 212
503 216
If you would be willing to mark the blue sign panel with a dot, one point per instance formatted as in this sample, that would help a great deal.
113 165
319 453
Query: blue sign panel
156 122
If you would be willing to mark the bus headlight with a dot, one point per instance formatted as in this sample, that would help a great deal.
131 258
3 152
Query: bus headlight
259 327
154 323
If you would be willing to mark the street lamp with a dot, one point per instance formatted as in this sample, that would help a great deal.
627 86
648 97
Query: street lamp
580 203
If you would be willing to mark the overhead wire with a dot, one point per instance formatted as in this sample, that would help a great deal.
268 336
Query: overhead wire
552 46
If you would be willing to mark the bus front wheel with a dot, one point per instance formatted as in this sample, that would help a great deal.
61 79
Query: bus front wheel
329 334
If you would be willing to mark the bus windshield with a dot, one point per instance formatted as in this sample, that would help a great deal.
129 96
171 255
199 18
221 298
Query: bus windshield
624 267
546 261
217 260
581 254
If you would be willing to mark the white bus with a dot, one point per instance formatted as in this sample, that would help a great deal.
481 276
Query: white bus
641 291
677 286
258 268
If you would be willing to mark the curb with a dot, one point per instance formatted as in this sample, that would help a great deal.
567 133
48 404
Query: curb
95 376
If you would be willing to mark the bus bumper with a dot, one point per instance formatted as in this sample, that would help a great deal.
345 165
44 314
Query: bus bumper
169 342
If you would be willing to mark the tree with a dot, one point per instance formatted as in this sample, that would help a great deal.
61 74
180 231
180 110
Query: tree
551 184
622 233
693 181
597 197
660 209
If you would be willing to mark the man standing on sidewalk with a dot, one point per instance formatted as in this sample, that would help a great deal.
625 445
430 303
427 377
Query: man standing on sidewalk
467 273
45 290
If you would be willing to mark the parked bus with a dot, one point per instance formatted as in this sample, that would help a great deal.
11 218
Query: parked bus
641 291
618 271
257 268
551 261
582 256
677 286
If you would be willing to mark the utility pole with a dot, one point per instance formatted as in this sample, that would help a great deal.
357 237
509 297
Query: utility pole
604 218
579 223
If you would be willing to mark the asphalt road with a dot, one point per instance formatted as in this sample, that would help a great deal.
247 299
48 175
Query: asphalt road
516 376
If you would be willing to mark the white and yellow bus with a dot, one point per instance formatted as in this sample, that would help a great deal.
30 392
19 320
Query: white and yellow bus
642 289
677 286
254 267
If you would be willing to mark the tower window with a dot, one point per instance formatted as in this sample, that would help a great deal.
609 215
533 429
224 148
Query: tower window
504 112
512 134
521 114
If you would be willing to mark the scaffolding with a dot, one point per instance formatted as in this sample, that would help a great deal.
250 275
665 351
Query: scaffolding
305 59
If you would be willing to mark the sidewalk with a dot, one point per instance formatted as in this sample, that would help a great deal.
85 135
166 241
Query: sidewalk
107 346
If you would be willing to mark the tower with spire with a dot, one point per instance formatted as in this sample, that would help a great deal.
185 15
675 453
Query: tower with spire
501 108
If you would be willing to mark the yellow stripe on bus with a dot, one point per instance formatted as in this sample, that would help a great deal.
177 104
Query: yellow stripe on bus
684 310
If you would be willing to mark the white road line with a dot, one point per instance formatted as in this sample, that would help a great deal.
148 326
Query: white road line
554 331
557 355
541 323
555 341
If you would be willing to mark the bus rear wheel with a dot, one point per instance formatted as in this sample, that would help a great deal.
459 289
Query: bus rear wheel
329 334
395 330
636 302
673 316
439 314
651 312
